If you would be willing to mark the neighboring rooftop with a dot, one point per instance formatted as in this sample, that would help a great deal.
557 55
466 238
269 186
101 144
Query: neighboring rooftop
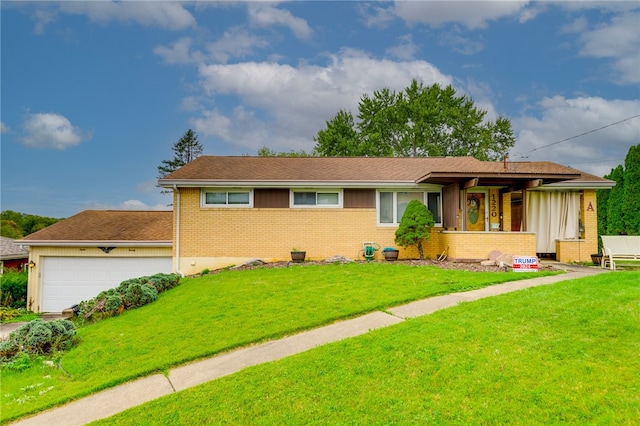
108 226
9 249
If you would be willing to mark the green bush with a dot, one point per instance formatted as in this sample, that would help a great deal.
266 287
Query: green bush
13 288
130 294
38 337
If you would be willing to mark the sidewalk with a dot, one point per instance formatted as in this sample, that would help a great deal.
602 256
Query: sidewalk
112 401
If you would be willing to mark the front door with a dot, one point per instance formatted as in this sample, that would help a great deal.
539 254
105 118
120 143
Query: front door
476 211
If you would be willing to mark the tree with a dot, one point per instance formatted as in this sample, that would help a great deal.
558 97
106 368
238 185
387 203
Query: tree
268 152
17 225
416 122
615 212
187 149
415 226
631 192
339 137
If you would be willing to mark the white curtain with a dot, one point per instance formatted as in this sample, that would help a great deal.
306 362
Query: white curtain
553 216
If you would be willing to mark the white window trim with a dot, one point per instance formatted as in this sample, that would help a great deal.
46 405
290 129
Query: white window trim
394 191
203 198
340 193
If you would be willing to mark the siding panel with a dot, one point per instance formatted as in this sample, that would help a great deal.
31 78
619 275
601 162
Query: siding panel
273 198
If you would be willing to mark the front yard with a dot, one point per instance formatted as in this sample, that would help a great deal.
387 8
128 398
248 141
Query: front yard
211 314
566 353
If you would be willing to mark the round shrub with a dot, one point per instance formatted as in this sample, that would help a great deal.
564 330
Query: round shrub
133 295
113 303
39 336
149 294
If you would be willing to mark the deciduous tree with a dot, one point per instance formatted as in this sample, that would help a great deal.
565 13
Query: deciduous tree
416 122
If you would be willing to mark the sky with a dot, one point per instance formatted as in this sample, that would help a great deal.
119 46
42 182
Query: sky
95 94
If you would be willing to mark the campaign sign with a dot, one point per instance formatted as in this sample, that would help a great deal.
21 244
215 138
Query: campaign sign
525 264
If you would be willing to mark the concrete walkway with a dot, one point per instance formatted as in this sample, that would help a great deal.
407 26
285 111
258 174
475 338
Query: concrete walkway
112 401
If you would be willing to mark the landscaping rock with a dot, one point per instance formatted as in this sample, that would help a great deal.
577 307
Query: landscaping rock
494 254
488 263
340 259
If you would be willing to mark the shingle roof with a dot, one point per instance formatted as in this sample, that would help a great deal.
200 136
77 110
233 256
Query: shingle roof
10 250
245 169
109 225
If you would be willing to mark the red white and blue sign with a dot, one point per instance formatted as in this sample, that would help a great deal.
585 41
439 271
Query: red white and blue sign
525 264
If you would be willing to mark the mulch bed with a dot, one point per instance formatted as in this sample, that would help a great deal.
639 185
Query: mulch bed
465 266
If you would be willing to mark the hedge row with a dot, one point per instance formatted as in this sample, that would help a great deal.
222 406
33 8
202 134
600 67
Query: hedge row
130 294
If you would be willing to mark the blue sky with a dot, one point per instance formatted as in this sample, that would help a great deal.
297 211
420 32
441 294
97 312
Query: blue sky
95 94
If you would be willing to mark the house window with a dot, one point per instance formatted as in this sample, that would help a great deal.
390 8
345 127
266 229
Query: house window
309 198
392 205
226 198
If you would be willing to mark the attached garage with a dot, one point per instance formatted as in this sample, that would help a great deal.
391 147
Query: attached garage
77 258
67 281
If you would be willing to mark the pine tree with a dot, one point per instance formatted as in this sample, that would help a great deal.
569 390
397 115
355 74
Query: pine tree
415 226
187 149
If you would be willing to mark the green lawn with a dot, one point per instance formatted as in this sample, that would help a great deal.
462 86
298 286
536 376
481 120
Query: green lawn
207 315
567 353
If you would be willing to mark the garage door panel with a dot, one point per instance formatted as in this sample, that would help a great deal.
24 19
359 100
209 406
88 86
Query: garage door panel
68 281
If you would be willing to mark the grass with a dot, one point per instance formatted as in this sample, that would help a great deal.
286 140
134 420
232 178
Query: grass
211 314
565 353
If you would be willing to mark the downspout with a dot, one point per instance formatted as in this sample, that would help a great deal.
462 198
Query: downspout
177 210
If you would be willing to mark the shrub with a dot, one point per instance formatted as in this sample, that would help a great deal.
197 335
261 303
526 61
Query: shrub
38 337
130 294
13 288
415 226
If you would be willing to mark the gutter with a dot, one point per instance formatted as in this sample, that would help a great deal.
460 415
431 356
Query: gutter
95 243
177 245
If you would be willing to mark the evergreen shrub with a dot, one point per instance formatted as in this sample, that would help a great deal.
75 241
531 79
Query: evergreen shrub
130 294
38 337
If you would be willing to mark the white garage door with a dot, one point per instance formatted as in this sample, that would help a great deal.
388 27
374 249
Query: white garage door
67 281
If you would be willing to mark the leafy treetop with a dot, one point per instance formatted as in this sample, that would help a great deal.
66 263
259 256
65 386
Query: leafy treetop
416 122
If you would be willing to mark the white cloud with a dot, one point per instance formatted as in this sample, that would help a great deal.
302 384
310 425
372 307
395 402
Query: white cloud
471 14
285 106
374 16
235 43
561 118
4 128
49 130
267 14
405 49
619 40
178 53
161 14
460 43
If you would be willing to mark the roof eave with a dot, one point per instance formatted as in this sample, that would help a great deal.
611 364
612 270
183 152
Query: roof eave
96 243
579 185
204 183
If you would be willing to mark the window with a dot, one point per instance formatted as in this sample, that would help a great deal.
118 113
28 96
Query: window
304 198
392 205
226 198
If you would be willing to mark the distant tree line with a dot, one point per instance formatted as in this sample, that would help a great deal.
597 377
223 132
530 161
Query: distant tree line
619 208
17 225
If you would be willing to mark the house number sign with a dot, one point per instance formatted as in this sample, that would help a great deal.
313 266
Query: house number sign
494 206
